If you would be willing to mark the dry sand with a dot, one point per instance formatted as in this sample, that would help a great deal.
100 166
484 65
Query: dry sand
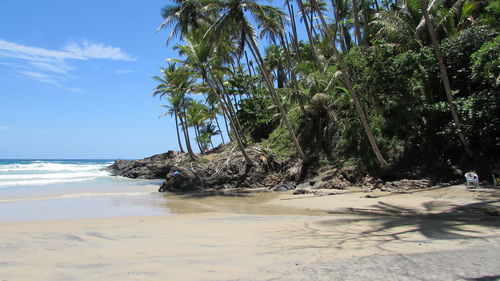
267 237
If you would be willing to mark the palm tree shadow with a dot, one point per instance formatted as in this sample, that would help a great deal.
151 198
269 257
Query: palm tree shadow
396 222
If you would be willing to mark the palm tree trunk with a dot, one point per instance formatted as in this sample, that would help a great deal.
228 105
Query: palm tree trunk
445 79
225 124
294 28
177 131
309 35
260 63
186 137
220 129
197 138
248 64
230 106
347 81
232 123
357 30
337 24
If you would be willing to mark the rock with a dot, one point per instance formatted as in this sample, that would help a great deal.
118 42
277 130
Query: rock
154 167
405 185
332 184
284 186
302 191
181 180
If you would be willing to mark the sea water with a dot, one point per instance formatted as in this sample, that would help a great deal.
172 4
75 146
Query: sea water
72 189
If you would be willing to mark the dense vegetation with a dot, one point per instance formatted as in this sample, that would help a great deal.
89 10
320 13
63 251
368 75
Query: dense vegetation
401 88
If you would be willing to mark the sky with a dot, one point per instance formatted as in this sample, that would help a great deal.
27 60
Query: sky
75 79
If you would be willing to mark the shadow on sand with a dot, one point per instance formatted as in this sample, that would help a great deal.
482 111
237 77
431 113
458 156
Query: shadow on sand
459 222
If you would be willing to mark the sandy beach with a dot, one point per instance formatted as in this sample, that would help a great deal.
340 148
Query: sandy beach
269 236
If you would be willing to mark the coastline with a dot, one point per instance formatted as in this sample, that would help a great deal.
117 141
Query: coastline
242 239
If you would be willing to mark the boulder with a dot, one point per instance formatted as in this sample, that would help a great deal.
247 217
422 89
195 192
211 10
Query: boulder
284 186
405 185
181 180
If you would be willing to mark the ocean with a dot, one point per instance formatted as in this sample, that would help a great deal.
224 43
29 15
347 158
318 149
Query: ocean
39 189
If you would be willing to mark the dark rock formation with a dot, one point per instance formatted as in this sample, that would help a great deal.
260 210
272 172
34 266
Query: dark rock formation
226 168
405 185
181 180
154 167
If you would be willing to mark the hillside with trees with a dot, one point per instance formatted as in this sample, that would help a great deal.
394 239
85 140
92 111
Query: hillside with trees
397 89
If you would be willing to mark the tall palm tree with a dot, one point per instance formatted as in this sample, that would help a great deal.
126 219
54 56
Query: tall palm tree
350 88
197 114
176 82
309 32
173 109
198 51
185 16
232 21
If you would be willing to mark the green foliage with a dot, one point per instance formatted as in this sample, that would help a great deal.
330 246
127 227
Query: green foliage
486 63
279 145
256 117
394 75
457 53
202 160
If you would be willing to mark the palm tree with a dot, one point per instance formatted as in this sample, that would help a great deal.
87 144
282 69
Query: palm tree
233 22
309 33
445 79
185 16
207 131
173 109
350 88
197 114
198 52
176 82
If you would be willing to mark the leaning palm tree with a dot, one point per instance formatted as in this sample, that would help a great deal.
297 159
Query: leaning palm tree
350 88
233 21
198 52
444 78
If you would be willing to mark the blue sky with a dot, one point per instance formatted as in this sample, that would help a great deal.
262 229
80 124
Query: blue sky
75 79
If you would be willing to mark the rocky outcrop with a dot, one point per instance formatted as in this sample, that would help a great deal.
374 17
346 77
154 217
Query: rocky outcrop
226 168
154 167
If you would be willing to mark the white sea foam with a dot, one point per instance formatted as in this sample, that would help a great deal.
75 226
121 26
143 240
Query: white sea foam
45 173
53 167
76 195
53 176
42 182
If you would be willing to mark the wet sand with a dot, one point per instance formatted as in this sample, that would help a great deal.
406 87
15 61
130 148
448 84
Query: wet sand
265 236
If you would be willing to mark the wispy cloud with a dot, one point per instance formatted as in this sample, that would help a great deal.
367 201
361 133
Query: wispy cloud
52 66
4 128
97 51
124 71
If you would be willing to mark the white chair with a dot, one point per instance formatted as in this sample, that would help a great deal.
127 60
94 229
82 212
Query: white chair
471 179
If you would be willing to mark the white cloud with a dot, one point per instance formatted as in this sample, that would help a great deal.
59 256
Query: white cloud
97 51
14 50
51 66
4 128
124 71
41 77
61 67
